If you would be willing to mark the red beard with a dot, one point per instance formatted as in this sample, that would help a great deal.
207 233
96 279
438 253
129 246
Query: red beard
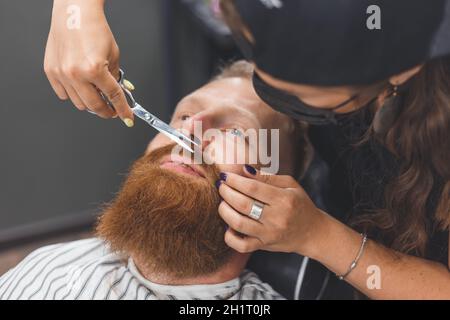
168 220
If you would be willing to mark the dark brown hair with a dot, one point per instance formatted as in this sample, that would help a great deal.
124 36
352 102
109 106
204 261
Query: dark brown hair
420 141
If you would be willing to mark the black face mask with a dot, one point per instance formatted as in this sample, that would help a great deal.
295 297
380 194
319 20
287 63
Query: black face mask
297 109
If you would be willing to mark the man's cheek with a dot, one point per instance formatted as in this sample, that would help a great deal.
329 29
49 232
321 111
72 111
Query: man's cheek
233 168
228 150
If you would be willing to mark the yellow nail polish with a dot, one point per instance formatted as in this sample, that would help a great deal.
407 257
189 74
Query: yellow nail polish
128 122
128 85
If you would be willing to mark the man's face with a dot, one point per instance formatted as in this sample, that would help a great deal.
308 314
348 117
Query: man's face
231 106
166 214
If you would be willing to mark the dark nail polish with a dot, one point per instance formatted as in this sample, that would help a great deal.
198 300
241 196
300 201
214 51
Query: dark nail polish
250 169
218 183
223 176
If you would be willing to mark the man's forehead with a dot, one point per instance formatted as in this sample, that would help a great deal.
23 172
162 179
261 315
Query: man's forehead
234 92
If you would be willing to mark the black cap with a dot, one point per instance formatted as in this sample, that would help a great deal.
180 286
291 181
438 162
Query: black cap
328 42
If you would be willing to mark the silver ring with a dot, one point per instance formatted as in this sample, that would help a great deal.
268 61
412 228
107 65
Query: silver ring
256 211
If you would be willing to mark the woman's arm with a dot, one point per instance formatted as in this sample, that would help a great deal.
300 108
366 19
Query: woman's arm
400 276
290 222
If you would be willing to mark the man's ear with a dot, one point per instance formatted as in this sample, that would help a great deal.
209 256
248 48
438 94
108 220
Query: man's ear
401 78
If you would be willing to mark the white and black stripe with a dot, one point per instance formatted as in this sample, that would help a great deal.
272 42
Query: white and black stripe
52 271
89 270
22 270
54 267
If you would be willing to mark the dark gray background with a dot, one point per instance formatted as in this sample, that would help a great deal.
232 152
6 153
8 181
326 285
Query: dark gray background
57 165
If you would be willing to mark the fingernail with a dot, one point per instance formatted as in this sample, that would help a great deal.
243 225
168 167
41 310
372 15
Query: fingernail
250 169
128 85
223 176
128 122
218 183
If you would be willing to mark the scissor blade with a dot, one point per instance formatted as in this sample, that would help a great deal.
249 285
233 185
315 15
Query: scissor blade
175 137
164 128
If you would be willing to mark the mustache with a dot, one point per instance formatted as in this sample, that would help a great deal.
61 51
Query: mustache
155 157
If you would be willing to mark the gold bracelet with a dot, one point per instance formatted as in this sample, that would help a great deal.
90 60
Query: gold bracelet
355 261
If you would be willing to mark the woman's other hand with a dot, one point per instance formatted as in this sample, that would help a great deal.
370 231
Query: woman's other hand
289 222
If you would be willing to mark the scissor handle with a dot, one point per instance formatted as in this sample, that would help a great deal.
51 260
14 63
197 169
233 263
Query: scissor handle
127 92
121 76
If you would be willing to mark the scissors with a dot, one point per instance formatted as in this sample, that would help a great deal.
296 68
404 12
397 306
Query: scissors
152 120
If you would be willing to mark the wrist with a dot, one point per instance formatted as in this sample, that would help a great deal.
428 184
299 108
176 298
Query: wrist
80 2
91 11
317 240
89 6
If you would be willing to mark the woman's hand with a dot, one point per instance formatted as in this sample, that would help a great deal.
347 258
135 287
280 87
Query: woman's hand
289 220
83 59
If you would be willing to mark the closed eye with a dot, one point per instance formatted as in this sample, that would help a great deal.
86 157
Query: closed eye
185 117
182 116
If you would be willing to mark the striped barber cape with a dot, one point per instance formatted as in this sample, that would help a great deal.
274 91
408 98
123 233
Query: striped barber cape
89 270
